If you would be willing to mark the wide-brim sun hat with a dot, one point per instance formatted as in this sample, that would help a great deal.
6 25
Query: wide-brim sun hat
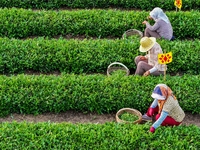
146 43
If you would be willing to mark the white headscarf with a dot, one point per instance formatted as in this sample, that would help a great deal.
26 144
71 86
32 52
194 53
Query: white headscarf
157 13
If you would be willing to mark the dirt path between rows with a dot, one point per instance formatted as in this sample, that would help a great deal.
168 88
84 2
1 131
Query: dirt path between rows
77 117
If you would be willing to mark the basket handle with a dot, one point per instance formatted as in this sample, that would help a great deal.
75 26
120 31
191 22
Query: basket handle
118 63
138 32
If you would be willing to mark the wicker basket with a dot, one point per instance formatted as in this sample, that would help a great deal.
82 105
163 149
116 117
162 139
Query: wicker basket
119 66
131 111
132 32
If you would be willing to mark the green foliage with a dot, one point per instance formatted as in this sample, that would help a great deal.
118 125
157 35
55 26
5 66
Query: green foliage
33 94
21 23
128 4
89 56
128 117
118 72
110 136
27 94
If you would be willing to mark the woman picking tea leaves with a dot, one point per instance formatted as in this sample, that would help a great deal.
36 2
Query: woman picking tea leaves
165 107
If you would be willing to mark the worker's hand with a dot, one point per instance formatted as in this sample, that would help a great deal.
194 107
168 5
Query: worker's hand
152 129
146 73
149 18
144 22
143 58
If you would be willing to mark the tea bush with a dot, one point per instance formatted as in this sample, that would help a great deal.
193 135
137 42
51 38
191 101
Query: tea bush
90 93
128 4
110 136
89 56
22 23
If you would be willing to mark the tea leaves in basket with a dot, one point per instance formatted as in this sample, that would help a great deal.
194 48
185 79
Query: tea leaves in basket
128 117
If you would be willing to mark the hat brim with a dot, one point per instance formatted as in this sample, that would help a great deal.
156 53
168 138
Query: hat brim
142 49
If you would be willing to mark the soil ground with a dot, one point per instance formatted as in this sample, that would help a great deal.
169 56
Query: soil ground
77 117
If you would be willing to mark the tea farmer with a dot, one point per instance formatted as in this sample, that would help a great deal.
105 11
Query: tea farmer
149 64
162 27
165 107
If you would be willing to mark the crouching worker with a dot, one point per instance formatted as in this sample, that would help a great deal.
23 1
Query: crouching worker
165 108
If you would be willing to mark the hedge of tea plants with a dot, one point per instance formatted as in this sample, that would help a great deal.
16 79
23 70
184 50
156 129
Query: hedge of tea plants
89 56
29 94
22 23
110 136
128 4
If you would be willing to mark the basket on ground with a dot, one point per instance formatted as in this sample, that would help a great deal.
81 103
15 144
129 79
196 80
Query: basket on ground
131 111
117 66
131 32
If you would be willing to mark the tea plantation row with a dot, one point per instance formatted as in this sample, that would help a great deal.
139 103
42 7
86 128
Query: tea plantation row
21 23
128 4
90 93
110 136
89 56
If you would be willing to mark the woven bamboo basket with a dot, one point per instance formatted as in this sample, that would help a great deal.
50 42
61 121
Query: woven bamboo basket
131 111
131 32
117 66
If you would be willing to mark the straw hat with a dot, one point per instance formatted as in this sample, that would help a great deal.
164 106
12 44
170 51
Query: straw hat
146 43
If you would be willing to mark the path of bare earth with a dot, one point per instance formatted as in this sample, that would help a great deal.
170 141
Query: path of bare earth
77 117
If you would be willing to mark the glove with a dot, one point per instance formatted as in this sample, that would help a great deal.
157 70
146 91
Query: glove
152 129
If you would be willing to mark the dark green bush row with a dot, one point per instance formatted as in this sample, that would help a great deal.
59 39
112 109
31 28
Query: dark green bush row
128 4
20 23
90 93
89 56
110 136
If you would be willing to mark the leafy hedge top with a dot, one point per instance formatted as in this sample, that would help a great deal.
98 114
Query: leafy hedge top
89 56
90 93
20 23
128 4
110 136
